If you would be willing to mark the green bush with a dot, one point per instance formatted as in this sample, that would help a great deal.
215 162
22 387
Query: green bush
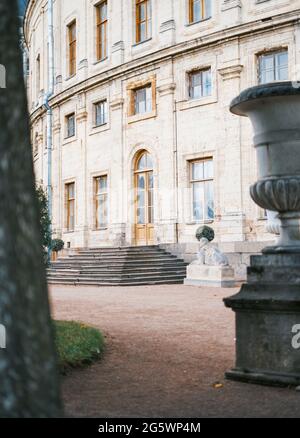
57 245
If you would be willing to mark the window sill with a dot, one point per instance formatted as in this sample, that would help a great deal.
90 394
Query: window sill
205 222
141 117
98 129
203 20
99 61
69 232
193 103
137 44
100 229
68 140
71 77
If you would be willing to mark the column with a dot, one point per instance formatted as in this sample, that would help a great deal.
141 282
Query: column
232 221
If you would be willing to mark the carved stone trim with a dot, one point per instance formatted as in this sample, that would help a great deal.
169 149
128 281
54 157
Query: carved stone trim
277 194
231 72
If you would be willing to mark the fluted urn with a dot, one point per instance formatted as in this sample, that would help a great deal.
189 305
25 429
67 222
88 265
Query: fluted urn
267 307
274 111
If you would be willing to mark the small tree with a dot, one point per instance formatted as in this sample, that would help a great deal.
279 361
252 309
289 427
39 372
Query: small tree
45 221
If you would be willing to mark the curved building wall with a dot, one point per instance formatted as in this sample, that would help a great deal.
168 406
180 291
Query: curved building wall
179 128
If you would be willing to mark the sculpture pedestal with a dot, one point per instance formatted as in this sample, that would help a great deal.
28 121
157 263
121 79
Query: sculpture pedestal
267 315
205 275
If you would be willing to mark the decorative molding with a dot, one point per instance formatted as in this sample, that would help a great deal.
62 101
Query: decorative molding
231 4
277 194
82 116
167 26
166 89
117 104
118 46
231 72
83 64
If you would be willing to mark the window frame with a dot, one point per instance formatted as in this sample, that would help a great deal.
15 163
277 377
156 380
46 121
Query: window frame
274 53
190 76
95 105
193 182
101 31
147 21
191 15
67 119
68 201
38 76
97 202
146 101
72 48
132 117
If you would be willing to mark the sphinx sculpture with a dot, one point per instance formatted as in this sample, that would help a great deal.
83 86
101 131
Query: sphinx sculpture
211 268
208 253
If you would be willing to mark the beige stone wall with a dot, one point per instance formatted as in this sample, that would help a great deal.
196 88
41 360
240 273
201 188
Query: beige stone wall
178 131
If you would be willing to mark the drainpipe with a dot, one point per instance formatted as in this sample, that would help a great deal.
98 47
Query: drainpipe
49 110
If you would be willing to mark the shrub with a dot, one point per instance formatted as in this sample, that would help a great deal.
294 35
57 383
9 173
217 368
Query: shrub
57 245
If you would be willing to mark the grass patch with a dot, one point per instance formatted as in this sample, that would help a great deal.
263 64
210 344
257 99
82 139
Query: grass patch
77 344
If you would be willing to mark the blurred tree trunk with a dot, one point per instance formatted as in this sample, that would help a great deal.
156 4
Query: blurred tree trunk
28 375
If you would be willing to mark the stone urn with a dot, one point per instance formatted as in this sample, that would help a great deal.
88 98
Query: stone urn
274 111
267 307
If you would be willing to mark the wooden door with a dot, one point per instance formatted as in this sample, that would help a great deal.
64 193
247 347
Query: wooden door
144 209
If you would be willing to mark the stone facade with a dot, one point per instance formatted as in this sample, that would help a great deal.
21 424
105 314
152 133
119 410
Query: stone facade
177 131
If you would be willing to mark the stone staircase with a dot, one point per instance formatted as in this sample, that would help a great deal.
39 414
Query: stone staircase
125 266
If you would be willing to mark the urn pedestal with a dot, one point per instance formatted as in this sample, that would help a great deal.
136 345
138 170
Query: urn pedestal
268 306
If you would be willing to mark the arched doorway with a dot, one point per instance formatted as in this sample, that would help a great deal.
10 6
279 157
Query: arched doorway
144 209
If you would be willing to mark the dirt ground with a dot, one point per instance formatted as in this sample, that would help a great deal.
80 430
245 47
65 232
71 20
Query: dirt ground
166 347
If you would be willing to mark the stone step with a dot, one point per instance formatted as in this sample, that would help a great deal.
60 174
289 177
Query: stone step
109 284
123 248
117 275
119 257
120 251
137 263
117 281
118 270
115 266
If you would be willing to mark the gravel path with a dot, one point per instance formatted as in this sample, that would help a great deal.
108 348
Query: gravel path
166 348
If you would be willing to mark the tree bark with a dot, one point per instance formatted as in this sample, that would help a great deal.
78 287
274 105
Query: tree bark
28 373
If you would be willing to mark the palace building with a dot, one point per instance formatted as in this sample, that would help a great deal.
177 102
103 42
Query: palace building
143 146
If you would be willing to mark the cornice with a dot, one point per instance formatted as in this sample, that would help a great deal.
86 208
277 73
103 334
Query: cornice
214 39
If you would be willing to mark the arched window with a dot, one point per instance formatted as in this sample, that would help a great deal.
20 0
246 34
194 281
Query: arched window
145 162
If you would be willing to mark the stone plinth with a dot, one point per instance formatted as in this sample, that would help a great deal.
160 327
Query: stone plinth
214 276
267 315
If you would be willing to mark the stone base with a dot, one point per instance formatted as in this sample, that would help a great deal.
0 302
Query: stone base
214 276
268 322
268 379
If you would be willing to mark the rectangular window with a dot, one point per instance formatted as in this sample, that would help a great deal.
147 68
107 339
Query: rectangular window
102 21
72 48
101 113
199 10
202 180
273 67
101 201
38 76
143 20
70 206
200 84
143 100
70 125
